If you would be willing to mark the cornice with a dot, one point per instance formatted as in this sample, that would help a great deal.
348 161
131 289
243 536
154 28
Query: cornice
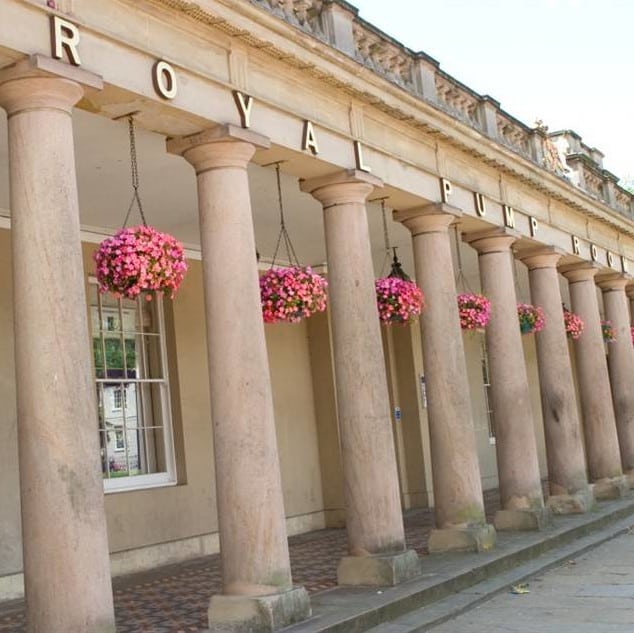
299 49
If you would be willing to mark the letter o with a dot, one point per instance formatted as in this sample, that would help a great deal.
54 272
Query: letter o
164 79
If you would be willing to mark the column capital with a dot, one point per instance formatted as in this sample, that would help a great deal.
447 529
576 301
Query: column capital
343 187
218 147
494 240
629 290
41 82
541 257
430 218
615 281
581 271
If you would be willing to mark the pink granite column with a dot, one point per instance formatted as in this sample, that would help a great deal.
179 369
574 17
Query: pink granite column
621 366
602 445
459 508
374 521
567 478
64 539
522 501
257 590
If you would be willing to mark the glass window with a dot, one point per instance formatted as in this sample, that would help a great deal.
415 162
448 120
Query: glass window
135 431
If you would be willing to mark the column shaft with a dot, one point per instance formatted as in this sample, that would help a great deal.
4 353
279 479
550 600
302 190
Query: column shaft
621 366
459 508
251 521
373 512
516 447
254 548
569 491
602 447
65 545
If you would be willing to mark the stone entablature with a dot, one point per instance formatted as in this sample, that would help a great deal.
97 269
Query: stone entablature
337 23
232 46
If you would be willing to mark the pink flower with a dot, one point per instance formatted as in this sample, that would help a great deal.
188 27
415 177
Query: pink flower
531 318
289 295
398 301
475 311
574 324
609 335
140 259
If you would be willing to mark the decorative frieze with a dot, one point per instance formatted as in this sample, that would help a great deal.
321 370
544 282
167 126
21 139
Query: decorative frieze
337 23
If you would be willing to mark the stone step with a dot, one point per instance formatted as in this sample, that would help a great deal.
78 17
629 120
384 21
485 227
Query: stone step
466 578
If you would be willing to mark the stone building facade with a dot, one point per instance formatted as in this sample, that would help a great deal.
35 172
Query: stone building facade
203 426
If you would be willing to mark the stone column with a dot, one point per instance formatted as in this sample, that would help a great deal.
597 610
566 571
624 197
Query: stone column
568 482
621 366
599 425
374 521
459 509
257 590
64 539
522 501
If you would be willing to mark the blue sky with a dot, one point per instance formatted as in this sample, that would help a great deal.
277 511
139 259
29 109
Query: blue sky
567 62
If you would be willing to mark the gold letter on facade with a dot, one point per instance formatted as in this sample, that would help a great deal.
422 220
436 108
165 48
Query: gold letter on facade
480 206
610 259
308 138
164 79
533 225
358 155
623 264
575 245
445 189
509 216
65 37
594 253
244 103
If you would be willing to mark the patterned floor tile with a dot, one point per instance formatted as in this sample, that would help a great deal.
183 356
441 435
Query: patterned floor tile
174 599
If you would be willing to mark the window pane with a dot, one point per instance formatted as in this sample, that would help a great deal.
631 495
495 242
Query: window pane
132 413
147 449
153 352
147 320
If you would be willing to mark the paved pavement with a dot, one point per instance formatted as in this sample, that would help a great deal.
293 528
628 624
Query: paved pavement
591 594
175 599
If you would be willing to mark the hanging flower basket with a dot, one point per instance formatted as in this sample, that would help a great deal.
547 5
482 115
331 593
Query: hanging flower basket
574 324
398 300
609 335
531 318
291 294
140 259
475 311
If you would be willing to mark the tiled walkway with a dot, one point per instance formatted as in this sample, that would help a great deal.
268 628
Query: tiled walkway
174 599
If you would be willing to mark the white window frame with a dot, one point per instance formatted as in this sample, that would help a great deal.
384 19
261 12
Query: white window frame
118 432
118 391
150 480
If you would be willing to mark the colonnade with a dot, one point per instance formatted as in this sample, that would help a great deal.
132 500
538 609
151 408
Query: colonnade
59 454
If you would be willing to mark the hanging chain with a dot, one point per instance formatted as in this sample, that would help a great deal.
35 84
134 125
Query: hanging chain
283 238
134 170
386 239
461 280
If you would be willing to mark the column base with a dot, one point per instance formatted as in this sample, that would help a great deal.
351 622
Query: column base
576 503
629 475
478 538
258 614
610 488
378 571
520 520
